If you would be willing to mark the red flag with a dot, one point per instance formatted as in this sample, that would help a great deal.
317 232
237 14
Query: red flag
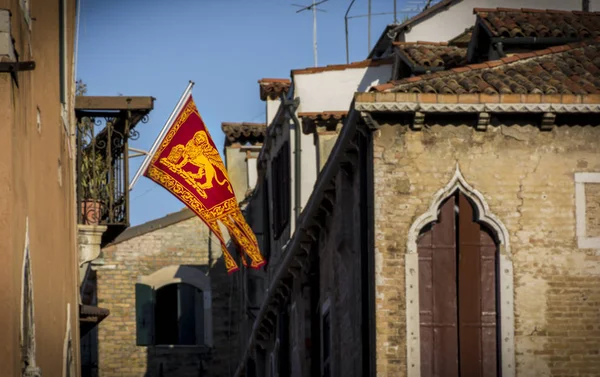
189 166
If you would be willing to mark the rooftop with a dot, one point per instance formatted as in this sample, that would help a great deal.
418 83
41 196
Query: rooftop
431 54
510 23
567 69
341 67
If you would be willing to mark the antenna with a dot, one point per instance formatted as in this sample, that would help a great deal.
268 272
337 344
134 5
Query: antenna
314 9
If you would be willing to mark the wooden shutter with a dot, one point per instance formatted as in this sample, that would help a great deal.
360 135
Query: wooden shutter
477 296
144 314
437 296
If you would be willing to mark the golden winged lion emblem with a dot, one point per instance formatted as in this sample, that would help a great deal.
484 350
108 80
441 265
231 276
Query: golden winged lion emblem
201 154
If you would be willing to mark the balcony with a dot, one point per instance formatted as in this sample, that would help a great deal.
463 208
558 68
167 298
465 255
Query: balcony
105 125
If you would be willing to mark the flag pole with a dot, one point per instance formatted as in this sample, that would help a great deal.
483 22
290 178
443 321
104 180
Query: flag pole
160 136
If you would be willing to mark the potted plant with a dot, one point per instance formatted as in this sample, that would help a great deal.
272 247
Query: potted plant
94 173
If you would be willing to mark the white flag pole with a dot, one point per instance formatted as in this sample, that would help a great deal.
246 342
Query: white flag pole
184 97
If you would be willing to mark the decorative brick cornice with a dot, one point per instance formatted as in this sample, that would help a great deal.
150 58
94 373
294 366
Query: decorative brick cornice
273 88
409 107
244 133
322 121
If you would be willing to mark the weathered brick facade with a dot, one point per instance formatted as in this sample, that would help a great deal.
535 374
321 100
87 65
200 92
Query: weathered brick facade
178 239
527 178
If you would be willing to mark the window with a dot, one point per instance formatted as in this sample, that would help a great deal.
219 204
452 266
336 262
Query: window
179 314
281 189
173 307
458 294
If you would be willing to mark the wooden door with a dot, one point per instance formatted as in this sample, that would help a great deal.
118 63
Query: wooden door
458 294
437 296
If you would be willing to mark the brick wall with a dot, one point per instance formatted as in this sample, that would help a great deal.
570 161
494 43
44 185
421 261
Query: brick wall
527 178
182 243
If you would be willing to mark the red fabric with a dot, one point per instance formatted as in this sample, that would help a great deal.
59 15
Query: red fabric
187 164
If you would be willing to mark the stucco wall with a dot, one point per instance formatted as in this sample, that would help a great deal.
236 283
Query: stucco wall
36 182
453 21
334 90
182 243
237 169
526 176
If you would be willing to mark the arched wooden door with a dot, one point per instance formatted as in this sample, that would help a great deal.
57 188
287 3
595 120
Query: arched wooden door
458 295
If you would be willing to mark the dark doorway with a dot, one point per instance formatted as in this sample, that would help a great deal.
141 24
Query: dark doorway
458 294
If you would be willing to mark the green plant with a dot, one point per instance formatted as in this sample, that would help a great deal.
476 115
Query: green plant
94 174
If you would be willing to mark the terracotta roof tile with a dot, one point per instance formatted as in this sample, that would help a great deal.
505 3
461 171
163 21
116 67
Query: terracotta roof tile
568 71
431 54
463 39
509 22
244 132
273 88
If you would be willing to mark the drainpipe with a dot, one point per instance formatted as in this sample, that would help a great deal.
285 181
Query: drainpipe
291 106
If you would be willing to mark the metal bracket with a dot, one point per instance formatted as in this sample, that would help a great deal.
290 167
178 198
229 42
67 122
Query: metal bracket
483 121
17 66
548 121
369 120
418 121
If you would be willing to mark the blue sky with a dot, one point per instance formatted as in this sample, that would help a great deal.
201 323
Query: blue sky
154 47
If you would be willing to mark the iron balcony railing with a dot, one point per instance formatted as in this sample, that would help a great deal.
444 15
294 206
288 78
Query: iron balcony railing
105 125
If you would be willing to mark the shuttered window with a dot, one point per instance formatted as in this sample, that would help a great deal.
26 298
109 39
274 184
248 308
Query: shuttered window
171 315
458 294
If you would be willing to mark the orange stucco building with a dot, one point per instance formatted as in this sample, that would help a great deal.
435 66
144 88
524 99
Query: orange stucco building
38 254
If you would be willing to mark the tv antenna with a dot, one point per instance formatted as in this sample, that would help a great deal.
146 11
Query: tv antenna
314 9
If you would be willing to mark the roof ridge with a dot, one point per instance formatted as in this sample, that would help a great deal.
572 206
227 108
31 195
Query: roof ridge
427 43
489 64
274 80
332 67
531 10
244 123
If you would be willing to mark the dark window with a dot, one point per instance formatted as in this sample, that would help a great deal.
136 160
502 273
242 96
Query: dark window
266 244
179 315
281 188
326 334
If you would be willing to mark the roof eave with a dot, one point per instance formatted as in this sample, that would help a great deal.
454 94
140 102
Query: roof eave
391 102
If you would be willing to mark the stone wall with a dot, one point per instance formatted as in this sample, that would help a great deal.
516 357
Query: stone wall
182 243
526 176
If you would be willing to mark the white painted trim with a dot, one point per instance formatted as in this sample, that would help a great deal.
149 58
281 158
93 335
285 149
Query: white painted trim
583 241
477 108
413 327
506 291
458 182
68 357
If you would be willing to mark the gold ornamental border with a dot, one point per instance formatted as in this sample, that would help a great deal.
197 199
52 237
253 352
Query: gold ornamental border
188 110
186 196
